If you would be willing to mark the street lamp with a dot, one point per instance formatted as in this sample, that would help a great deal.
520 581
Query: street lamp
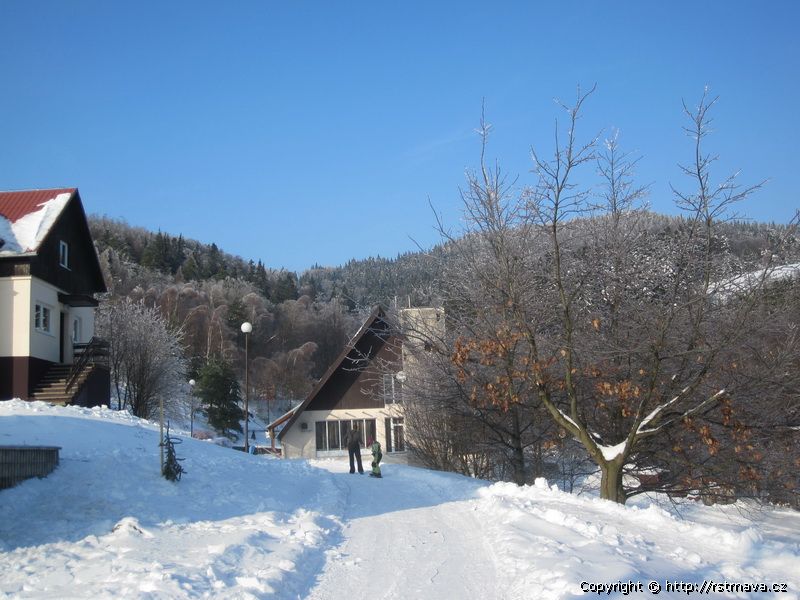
191 408
161 428
246 329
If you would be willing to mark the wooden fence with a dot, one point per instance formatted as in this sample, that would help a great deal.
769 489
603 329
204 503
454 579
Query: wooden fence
18 463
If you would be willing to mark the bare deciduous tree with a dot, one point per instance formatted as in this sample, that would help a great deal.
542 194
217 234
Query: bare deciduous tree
146 358
617 331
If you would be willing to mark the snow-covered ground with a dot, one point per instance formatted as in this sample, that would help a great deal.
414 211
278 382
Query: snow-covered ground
105 524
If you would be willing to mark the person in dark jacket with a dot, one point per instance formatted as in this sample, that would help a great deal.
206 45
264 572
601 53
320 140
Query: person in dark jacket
353 440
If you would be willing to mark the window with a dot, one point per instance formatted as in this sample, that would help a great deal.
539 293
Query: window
41 318
331 434
63 254
345 428
370 429
391 389
395 434
322 439
76 330
360 424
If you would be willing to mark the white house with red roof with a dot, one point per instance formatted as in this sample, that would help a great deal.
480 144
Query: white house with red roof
49 275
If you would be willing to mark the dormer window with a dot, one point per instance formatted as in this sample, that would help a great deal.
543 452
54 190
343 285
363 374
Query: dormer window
63 254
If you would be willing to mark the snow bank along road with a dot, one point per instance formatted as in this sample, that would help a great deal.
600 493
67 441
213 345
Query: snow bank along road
106 525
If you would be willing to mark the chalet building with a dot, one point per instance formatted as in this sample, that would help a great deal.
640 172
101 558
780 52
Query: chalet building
49 273
363 386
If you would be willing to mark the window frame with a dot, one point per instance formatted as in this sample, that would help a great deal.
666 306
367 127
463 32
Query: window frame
340 427
77 330
321 435
63 254
392 392
43 318
333 428
395 429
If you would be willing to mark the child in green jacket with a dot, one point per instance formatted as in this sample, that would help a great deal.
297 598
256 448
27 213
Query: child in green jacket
377 455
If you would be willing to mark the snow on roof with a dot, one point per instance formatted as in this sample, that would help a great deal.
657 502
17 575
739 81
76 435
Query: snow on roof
26 218
283 418
747 281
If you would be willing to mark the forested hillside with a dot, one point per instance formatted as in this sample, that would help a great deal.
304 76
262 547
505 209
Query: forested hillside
301 322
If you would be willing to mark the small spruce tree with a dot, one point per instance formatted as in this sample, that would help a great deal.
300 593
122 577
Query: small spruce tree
172 469
218 390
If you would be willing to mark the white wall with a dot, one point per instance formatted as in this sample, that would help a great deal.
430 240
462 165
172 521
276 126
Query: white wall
44 345
19 337
16 316
86 315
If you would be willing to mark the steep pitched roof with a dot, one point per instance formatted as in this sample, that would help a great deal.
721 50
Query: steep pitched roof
377 314
27 216
283 418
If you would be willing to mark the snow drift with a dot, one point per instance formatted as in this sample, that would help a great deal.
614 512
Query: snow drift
105 524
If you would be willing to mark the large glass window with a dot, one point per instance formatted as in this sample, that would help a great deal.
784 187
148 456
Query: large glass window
362 433
345 425
322 439
370 429
399 435
395 435
333 435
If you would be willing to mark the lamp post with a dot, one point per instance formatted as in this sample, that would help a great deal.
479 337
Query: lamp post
246 329
191 408
161 429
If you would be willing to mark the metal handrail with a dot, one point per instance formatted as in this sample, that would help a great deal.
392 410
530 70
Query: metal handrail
91 351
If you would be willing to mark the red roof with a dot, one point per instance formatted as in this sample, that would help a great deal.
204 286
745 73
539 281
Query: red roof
15 205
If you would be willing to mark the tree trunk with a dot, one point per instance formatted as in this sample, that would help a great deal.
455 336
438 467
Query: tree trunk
611 481
517 454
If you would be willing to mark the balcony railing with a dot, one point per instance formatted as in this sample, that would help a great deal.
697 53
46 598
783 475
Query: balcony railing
93 352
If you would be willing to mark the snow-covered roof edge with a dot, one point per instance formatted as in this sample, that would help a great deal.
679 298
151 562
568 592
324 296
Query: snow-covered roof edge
752 279
25 235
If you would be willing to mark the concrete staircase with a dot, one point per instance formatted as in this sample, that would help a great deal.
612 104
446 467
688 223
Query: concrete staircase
53 386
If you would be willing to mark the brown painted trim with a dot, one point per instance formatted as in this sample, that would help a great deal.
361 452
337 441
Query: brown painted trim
78 300
20 374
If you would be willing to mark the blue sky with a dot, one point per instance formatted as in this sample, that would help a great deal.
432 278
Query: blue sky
315 132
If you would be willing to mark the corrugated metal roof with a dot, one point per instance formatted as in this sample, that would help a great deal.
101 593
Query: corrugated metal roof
15 205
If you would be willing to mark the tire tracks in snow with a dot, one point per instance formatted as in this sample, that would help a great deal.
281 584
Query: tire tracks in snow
412 534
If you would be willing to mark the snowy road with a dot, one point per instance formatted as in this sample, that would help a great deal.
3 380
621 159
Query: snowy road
411 534
106 525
